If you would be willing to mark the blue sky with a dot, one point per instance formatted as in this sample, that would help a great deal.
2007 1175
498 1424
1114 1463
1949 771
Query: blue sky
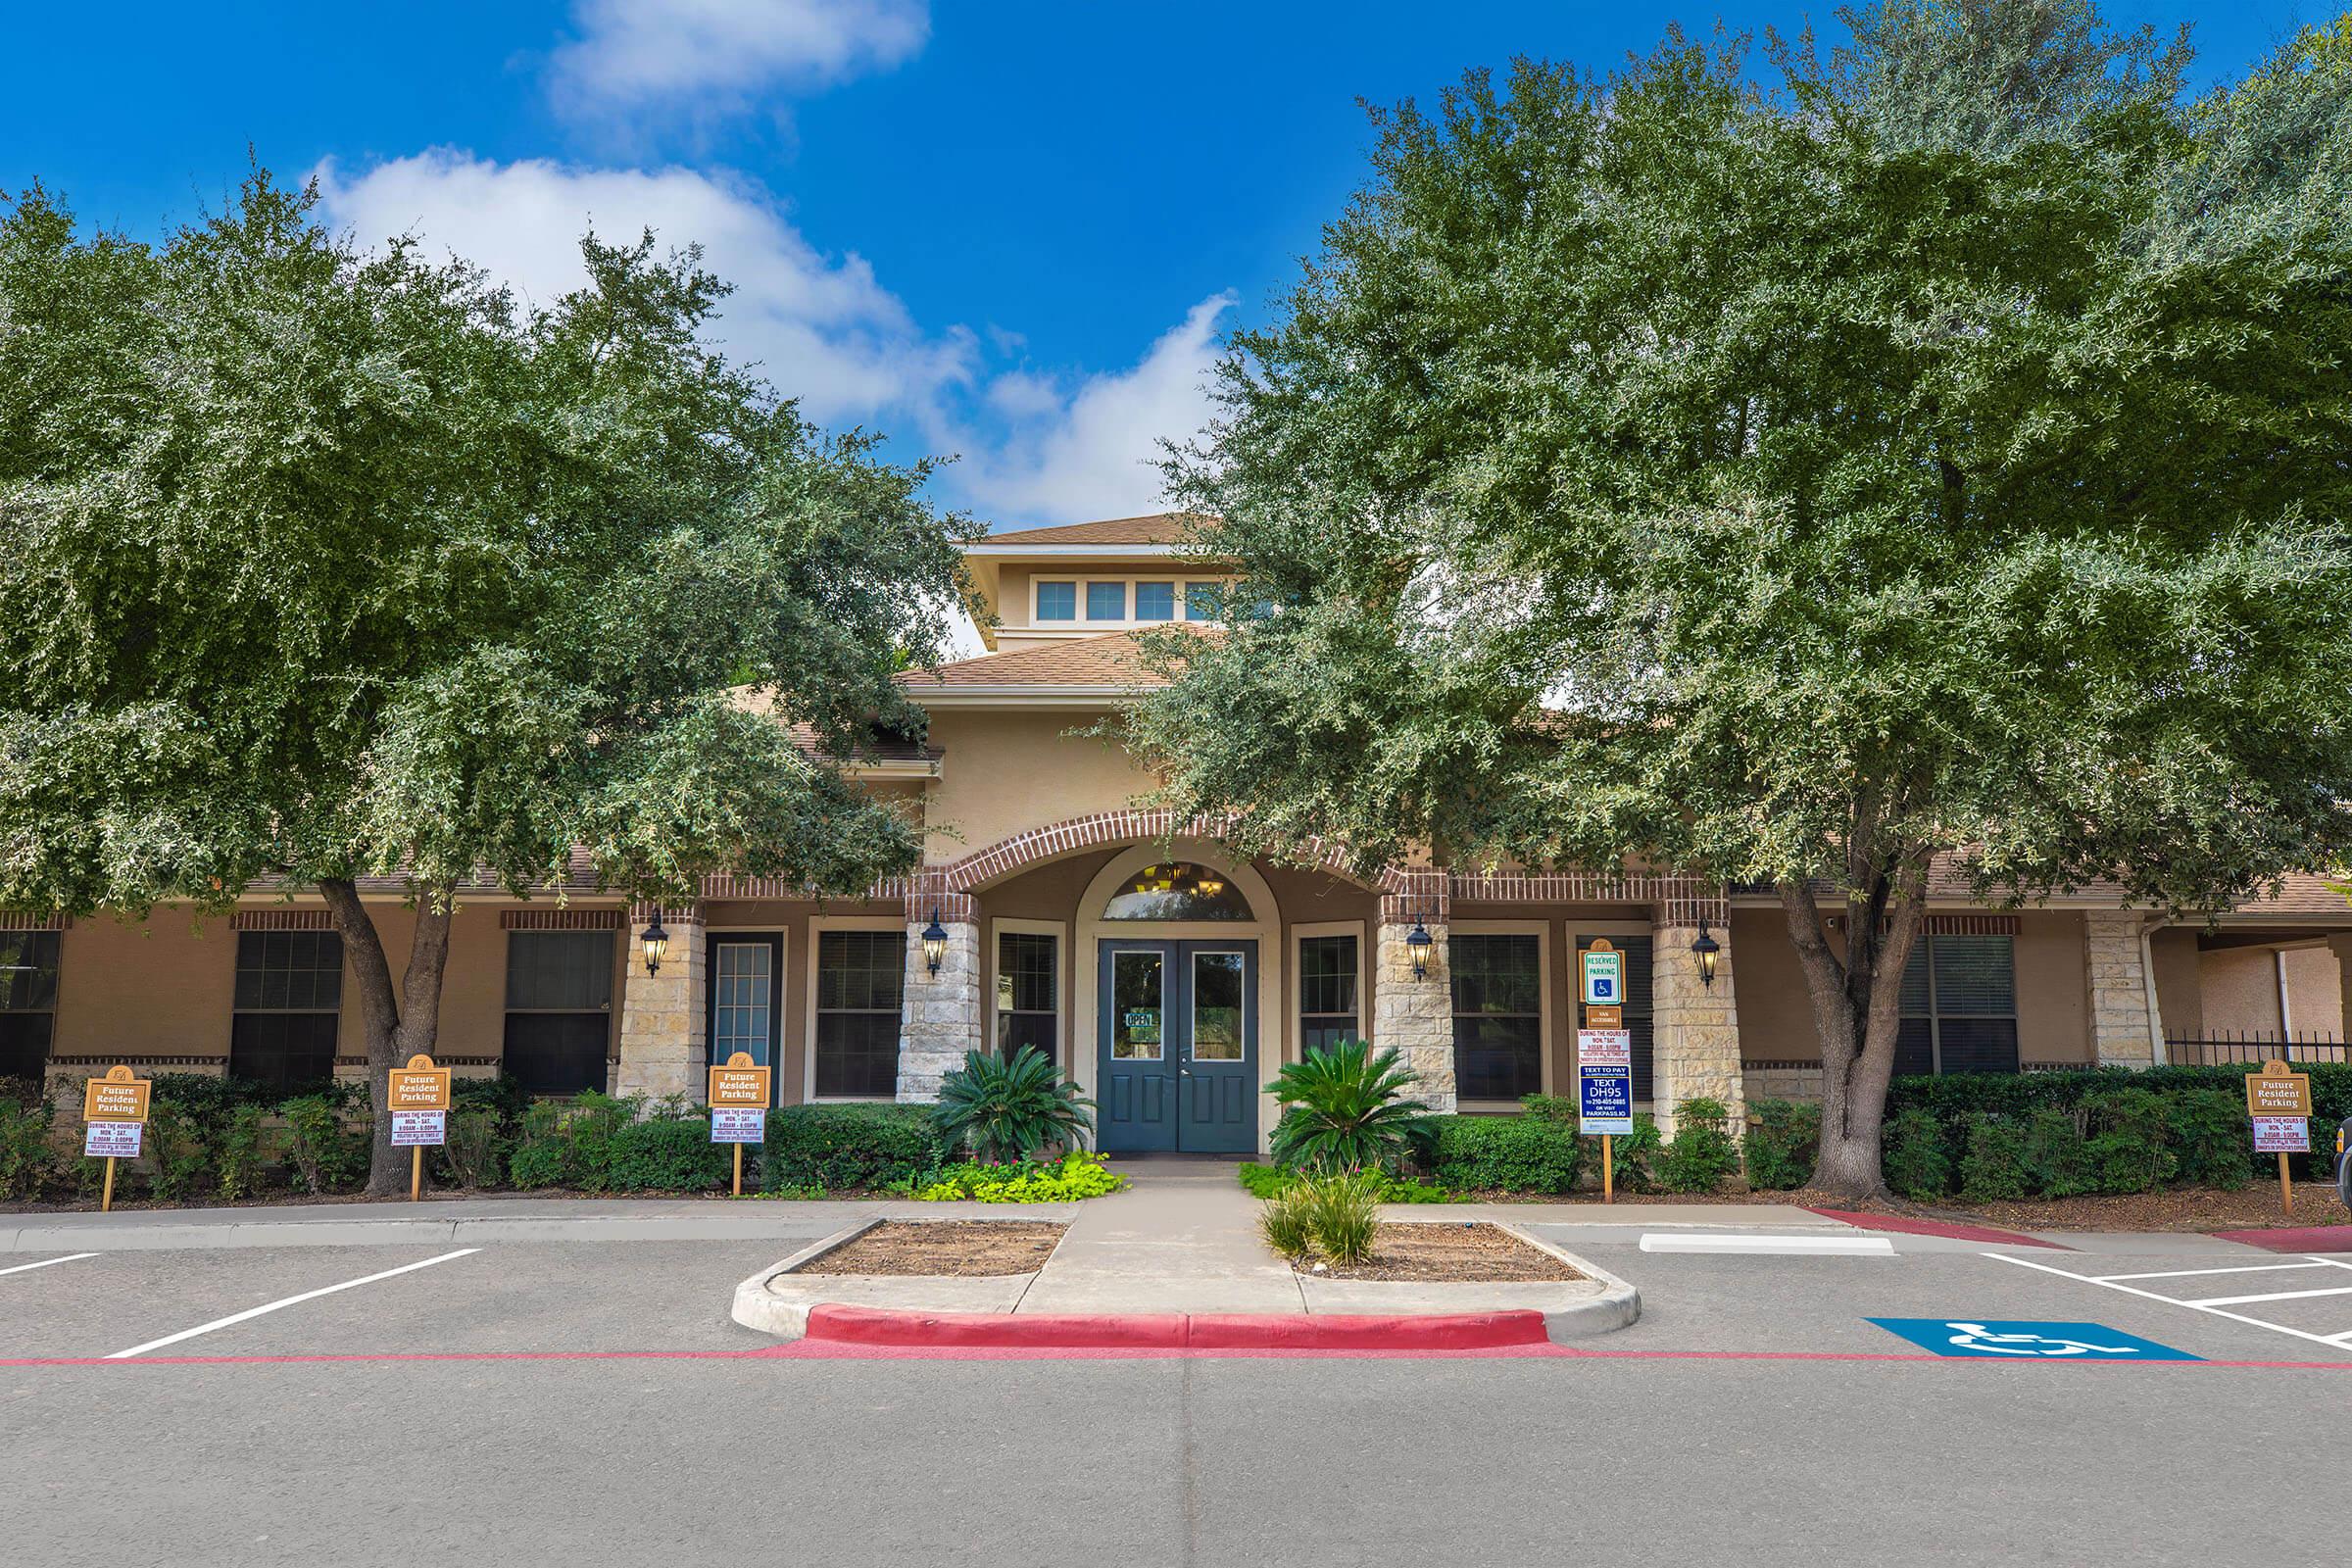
1010 231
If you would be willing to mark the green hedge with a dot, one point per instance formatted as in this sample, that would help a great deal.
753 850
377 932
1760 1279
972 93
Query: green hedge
848 1148
1529 1154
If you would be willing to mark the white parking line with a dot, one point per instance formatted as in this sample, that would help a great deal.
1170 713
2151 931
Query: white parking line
2184 1273
2274 1296
1752 1244
46 1262
2332 1341
291 1301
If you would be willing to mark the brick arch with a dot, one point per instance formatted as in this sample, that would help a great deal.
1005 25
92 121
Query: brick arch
1101 829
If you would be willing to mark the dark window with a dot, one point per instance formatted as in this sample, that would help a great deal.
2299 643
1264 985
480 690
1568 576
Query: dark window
860 976
1155 601
1497 1015
27 1002
1201 601
1026 992
1327 999
1057 601
289 1007
558 1009
1107 601
1959 1006
1636 950
1177 891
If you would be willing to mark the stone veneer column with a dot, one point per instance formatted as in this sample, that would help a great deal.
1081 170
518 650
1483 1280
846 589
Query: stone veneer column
1694 1027
2124 1030
664 1018
1416 1016
941 1017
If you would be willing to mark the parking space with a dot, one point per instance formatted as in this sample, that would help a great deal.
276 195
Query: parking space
2305 1300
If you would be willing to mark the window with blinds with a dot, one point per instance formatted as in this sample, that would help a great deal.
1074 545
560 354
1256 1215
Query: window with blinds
1498 1014
27 1002
861 978
1328 1008
288 1008
1027 992
558 1009
1959 1004
1636 950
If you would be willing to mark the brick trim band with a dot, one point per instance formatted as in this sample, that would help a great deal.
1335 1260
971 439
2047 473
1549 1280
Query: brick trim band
1958 925
281 920
1106 828
561 919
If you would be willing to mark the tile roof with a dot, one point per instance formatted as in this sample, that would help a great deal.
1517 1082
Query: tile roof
878 748
1112 662
1160 528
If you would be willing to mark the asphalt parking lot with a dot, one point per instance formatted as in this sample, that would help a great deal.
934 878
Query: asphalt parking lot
592 1403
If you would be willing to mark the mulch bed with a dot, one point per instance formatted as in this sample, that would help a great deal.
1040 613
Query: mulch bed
2189 1208
960 1246
1448 1253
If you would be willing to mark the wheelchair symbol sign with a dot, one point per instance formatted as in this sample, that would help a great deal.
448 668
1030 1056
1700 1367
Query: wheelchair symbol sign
1973 1339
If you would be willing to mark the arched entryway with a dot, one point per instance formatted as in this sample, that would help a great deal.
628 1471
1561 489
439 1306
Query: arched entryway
1179 971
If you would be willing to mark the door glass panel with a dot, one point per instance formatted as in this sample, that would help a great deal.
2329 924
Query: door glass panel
1134 1007
744 986
1216 1006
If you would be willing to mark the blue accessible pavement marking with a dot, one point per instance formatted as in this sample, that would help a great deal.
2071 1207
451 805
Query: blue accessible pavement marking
1984 1340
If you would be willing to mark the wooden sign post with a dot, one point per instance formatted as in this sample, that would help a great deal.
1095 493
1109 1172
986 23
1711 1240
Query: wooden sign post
739 1097
1605 1058
114 1110
418 1102
2278 1101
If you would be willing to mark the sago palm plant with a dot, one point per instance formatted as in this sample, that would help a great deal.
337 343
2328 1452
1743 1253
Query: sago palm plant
1010 1110
1344 1108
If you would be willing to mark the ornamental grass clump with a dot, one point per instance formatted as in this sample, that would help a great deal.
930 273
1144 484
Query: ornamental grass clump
1344 1109
1341 1215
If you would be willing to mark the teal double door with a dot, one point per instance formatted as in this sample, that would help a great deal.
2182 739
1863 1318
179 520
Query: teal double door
1177 1042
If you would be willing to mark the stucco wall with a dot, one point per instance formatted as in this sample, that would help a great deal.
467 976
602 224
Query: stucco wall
1006 771
2315 994
2179 995
158 987
2240 987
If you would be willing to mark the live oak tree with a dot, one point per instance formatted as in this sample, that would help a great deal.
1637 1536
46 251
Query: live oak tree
325 564
1932 462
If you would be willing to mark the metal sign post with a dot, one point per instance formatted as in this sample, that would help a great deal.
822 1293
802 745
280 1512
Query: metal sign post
418 1100
114 1110
739 1096
2278 1102
1605 1058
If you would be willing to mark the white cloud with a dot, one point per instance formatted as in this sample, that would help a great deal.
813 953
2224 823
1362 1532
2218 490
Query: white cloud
1094 453
715 56
823 328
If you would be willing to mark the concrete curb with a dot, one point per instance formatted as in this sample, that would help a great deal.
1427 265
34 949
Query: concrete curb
1617 1306
758 1307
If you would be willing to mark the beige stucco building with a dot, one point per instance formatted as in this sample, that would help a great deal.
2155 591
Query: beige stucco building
1168 976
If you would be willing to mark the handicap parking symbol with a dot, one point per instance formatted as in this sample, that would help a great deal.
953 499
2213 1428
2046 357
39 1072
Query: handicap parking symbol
1973 1339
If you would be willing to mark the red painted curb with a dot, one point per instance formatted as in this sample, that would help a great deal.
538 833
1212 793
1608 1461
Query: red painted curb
1175 1331
1951 1229
2299 1239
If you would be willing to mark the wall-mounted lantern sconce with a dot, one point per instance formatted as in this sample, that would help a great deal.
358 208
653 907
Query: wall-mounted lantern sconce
1706 950
1418 944
935 943
657 944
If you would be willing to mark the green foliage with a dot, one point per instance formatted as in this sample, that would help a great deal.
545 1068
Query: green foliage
1265 1181
2057 1164
180 1156
847 1149
1634 1156
1526 1153
1783 1138
666 1154
501 1096
28 1162
242 1165
474 1158
1078 1173
1270 1181
1994 1169
2129 1144
1015 1110
1917 1166
1702 1153
329 1154
1282 1220
1340 1213
1796 510
1344 1109
2209 1134
537 1158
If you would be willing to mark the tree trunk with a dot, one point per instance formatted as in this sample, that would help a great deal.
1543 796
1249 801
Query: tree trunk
398 1025
1857 1011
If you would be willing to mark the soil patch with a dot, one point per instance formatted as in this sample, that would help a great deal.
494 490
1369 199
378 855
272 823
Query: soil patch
960 1246
1446 1252
2187 1209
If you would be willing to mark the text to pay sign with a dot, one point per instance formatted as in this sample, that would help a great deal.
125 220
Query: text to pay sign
1970 1339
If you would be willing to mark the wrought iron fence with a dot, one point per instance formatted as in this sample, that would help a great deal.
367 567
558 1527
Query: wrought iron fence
2210 1051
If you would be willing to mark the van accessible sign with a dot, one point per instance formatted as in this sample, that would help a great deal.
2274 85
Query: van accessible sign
1604 1081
